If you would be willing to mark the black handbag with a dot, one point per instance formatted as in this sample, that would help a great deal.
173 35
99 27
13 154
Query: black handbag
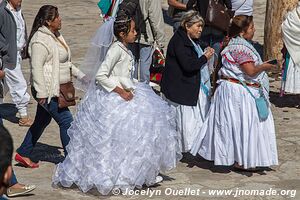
218 16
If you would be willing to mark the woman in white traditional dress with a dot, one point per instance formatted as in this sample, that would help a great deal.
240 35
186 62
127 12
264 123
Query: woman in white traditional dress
233 132
185 81
123 134
291 32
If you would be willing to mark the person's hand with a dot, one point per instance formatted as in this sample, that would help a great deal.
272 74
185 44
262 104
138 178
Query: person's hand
42 101
126 95
2 74
268 66
209 52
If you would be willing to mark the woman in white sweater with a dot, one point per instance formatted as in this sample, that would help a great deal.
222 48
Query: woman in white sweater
50 66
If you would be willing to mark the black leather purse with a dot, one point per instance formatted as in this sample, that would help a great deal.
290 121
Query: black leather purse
218 15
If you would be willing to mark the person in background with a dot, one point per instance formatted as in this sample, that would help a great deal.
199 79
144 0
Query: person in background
177 8
186 79
210 36
14 188
153 34
13 38
6 151
50 60
290 33
242 7
8 181
234 133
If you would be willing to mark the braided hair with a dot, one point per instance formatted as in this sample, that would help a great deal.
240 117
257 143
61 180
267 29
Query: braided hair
122 24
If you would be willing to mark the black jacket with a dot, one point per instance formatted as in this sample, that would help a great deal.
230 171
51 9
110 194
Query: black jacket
181 77
8 37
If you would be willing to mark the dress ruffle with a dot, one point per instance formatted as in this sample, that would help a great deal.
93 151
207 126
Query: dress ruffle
119 144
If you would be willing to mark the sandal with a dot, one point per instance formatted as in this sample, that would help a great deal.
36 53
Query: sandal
20 191
26 121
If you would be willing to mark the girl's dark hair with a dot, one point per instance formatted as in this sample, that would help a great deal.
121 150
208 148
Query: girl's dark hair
238 24
122 24
46 13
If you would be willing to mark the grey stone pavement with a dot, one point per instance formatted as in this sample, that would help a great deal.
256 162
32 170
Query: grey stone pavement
194 177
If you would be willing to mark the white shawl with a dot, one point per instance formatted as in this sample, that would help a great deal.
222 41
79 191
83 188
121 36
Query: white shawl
291 33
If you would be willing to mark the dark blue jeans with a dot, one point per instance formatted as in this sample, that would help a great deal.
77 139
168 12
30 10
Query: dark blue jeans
44 114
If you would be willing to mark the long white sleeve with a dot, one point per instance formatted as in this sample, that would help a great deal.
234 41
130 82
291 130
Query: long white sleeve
103 76
39 55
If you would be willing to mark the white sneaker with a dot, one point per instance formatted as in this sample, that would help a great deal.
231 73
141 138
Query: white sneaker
158 179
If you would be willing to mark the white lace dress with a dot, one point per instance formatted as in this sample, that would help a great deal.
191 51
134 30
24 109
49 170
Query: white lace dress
115 143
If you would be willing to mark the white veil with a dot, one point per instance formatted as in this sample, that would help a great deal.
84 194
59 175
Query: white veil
96 53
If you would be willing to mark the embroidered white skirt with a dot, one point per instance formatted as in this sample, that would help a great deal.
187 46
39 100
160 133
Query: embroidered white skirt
233 132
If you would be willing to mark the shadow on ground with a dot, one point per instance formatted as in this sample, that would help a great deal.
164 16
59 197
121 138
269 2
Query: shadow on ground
288 100
198 161
47 153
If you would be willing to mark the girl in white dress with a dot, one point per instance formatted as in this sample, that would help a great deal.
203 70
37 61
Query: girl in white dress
233 132
123 134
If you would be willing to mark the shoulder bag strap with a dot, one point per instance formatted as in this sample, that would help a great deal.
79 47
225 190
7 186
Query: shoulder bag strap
243 83
241 5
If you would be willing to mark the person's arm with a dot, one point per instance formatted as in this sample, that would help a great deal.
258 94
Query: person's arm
77 73
176 4
38 58
246 62
103 76
251 70
156 21
188 61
